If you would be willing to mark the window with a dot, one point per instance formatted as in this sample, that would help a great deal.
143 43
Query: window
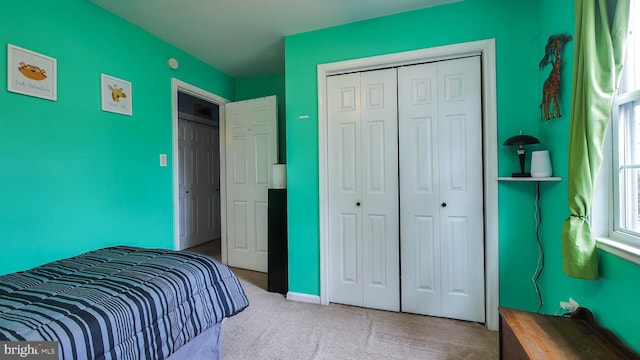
624 225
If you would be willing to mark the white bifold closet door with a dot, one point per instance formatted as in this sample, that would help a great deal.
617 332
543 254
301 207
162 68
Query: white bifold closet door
442 219
405 189
363 188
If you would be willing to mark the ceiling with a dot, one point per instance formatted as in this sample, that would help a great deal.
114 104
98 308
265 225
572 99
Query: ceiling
245 38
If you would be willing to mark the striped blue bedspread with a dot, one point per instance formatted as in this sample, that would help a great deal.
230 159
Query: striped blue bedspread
119 302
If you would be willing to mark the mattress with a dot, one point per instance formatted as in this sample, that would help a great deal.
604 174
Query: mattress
119 302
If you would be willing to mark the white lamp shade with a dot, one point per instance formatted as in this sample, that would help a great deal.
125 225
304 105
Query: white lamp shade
541 164
279 176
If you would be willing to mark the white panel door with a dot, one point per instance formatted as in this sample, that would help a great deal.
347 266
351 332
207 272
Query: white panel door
345 219
251 149
185 151
442 229
214 159
363 188
380 218
199 183
420 189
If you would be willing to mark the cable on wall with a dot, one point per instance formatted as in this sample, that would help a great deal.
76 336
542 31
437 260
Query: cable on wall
540 267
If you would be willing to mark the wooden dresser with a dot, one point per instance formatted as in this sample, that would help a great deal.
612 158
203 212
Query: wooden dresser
525 335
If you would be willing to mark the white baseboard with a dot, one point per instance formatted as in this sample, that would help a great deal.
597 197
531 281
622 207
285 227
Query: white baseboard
294 296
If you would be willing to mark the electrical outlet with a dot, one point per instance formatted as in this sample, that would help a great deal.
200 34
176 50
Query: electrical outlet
571 305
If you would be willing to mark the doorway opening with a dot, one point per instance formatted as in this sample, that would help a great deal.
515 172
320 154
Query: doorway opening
198 169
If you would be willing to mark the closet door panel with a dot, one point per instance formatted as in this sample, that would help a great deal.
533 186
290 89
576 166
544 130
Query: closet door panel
345 218
420 189
381 239
442 232
363 187
460 118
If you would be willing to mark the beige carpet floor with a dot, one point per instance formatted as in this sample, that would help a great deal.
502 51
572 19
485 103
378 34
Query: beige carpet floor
275 328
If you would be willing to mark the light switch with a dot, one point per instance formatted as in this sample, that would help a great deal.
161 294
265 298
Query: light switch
163 159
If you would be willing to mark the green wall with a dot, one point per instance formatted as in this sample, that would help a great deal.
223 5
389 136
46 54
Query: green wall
251 88
619 278
74 178
521 30
510 23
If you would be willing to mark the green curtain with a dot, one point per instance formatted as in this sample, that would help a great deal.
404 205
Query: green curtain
600 32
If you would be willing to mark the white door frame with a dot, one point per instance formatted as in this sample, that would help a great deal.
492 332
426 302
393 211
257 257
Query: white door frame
181 86
485 48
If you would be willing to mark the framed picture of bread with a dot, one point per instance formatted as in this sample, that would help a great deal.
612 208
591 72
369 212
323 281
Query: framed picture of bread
30 73
116 95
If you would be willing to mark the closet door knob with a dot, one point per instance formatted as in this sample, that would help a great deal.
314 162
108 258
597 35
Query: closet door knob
443 204
358 203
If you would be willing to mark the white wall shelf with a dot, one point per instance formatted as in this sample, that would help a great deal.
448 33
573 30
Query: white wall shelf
530 179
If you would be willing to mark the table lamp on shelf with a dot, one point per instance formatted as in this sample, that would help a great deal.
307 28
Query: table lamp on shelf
521 140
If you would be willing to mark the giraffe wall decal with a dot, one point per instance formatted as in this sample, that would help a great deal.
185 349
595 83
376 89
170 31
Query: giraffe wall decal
550 107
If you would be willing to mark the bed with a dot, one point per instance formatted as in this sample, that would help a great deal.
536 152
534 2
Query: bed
122 302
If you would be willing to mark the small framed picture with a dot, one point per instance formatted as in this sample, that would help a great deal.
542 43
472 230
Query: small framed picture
116 95
30 73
